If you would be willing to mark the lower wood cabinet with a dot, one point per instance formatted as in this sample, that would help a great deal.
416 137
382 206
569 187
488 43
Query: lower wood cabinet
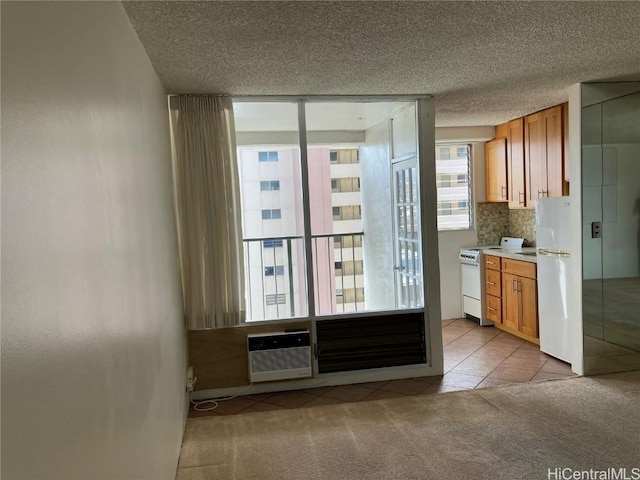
513 304
520 304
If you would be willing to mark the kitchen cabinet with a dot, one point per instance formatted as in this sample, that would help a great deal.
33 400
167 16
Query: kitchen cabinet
544 154
493 288
515 164
519 299
496 170
537 158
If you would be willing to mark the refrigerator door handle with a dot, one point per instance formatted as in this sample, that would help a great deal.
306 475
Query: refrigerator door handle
550 252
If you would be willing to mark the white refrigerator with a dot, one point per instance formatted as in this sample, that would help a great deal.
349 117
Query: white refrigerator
553 239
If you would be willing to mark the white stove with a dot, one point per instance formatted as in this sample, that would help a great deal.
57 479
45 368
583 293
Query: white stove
472 275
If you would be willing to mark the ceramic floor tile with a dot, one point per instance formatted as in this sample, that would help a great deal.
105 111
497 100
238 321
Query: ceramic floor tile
497 350
470 339
318 390
428 380
513 374
261 407
529 347
463 322
318 401
549 376
454 330
447 338
349 393
461 380
480 370
444 388
258 397
471 367
292 399
374 385
233 406
405 387
382 395
493 382
527 363
459 349
556 366
502 341
483 332
535 357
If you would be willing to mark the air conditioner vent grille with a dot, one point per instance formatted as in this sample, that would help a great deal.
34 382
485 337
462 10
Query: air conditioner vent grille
281 359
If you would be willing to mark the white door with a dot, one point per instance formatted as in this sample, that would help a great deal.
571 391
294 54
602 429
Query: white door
407 250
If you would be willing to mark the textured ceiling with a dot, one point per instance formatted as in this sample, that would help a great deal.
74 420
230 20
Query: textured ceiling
485 62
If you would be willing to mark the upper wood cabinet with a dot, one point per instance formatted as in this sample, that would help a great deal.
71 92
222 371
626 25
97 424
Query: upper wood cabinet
537 158
515 164
544 154
496 170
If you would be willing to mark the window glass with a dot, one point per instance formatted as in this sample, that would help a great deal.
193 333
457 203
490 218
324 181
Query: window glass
272 214
272 243
453 187
269 185
268 156
351 206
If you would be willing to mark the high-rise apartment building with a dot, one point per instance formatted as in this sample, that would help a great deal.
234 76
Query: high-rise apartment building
273 231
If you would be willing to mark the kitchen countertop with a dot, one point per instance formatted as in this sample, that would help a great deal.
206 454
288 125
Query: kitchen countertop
526 254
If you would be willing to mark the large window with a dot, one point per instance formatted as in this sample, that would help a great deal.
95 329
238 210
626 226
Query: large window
453 181
360 252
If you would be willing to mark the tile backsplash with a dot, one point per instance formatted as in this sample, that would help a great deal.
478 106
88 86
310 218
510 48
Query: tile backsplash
495 220
522 223
492 222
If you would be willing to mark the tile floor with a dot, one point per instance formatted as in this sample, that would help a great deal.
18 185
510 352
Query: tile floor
474 357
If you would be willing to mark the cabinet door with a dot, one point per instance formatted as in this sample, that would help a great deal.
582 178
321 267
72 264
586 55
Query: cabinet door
510 301
535 156
554 151
496 170
529 300
515 164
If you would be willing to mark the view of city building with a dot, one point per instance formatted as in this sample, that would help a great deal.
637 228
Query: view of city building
273 231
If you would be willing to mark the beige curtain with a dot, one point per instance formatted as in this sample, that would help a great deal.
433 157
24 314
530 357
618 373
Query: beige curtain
208 209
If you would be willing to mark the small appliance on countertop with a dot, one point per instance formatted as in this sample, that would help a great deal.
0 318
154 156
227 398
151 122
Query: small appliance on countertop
472 274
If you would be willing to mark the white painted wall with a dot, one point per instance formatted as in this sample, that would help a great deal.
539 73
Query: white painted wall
93 347
450 242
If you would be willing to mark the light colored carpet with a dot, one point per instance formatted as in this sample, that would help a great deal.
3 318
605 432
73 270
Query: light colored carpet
508 432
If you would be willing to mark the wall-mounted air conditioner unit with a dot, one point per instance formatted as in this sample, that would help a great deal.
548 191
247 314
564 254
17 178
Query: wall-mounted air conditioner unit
279 355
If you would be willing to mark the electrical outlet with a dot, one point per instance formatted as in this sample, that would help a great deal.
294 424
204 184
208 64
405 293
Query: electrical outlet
191 379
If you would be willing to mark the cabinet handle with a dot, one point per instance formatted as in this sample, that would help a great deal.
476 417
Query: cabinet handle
518 286
520 194
491 309
491 283
490 263
513 286
503 189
